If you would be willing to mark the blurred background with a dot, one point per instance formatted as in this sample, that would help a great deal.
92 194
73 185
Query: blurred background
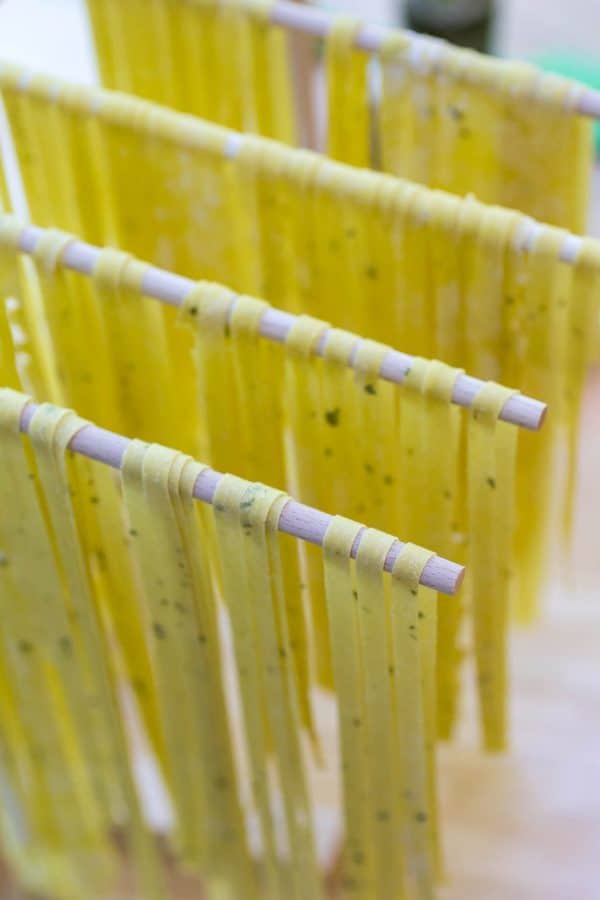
526 825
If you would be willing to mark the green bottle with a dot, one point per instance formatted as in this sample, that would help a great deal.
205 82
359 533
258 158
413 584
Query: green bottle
468 23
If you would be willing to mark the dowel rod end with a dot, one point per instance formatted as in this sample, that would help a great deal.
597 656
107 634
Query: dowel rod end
525 412
443 575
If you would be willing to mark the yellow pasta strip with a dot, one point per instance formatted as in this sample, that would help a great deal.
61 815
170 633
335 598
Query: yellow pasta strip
394 107
100 521
330 436
258 368
540 285
267 78
412 460
414 487
54 704
108 58
207 307
339 237
71 313
342 600
448 117
187 660
262 169
33 368
94 208
454 119
303 403
329 245
193 26
382 820
413 642
583 330
51 431
442 429
471 118
418 319
227 828
444 238
296 242
139 362
348 135
25 688
22 120
374 431
260 508
145 471
484 277
491 457
228 497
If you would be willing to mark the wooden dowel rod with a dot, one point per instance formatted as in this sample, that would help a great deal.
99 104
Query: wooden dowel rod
296 519
318 22
275 325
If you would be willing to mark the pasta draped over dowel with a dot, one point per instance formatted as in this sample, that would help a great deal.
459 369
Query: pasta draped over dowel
327 427
68 737
445 277
443 116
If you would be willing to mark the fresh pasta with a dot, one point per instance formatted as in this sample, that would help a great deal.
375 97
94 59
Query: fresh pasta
65 754
65 715
331 429
308 234
339 432
444 116
197 73
381 700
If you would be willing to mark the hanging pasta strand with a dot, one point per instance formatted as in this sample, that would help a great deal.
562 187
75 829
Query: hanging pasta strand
348 133
233 362
441 500
486 119
260 509
36 683
311 414
101 524
382 821
252 674
72 716
583 325
8 362
70 311
448 117
538 362
53 429
491 454
29 362
381 647
191 41
269 88
139 361
182 623
303 395
412 638
347 671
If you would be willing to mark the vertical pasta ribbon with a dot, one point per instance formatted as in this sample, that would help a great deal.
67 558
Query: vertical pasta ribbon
491 479
348 137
